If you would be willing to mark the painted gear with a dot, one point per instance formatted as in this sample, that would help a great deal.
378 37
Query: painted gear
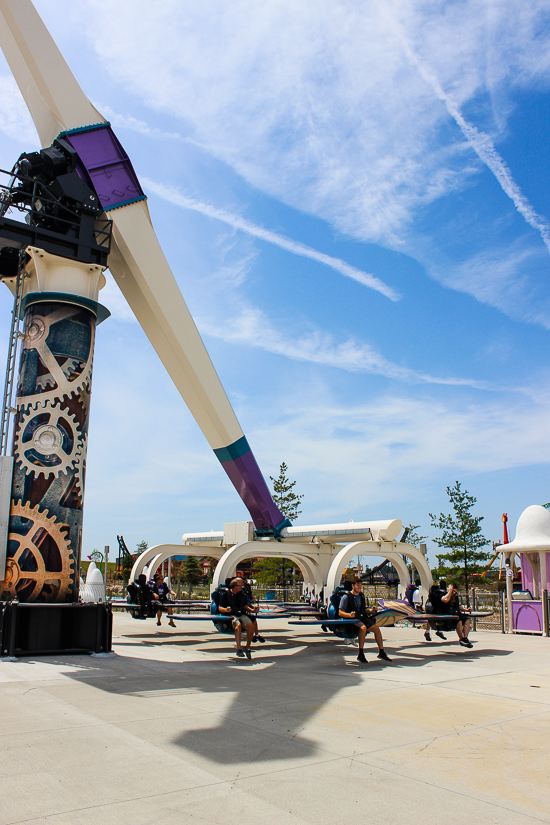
27 573
61 379
48 441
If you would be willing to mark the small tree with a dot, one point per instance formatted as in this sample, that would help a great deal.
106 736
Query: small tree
142 546
461 533
413 537
284 496
192 571
126 567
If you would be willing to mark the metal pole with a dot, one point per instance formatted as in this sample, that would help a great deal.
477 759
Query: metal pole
502 614
106 565
546 612
474 608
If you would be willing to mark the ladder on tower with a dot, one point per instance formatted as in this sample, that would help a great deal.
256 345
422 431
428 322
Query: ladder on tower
15 336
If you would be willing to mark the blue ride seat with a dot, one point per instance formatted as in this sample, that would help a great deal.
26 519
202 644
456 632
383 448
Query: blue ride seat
221 627
346 631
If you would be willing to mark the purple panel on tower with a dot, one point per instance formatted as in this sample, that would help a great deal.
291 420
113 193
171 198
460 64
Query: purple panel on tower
105 165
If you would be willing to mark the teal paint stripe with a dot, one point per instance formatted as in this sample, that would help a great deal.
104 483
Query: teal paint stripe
125 203
234 451
78 129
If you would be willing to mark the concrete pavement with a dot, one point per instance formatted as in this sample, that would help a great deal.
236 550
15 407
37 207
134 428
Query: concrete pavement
175 729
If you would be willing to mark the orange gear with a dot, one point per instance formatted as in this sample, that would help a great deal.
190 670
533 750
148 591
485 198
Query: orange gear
26 573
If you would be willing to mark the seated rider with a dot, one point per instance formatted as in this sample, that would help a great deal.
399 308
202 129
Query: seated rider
353 606
235 603
252 601
451 600
162 591
433 605
144 593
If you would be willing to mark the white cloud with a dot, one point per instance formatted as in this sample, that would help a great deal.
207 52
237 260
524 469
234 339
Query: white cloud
15 120
385 449
172 195
316 102
484 147
252 327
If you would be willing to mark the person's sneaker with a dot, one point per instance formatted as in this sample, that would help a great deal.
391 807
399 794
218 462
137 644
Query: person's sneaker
247 653
427 637
260 638
361 657
383 655
441 636
255 638
466 643
324 628
240 653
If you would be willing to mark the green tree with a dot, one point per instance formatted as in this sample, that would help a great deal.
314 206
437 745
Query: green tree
276 570
126 567
284 496
142 546
461 534
412 537
192 571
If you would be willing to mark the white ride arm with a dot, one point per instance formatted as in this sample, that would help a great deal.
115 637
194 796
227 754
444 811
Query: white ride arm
60 108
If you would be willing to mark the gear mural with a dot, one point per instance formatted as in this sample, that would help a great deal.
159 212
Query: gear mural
50 436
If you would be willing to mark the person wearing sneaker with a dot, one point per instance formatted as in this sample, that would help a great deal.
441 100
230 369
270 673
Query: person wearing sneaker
235 603
353 606
247 590
451 601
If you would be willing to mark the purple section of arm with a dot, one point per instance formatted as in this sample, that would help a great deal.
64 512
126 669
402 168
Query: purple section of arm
106 166
248 481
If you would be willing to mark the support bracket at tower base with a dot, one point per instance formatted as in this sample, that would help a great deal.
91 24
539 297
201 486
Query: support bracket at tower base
50 629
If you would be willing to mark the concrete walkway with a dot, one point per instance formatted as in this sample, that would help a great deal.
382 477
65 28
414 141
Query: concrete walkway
175 729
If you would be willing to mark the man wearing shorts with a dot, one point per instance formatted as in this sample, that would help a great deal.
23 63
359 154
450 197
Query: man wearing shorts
353 606
235 603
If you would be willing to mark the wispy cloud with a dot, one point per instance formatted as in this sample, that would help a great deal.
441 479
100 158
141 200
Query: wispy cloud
15 120
484 148
120 121
169 193
253 328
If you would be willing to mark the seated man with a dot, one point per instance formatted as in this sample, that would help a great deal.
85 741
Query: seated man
433 605
452 602
162 592
247 590
235 603
353 606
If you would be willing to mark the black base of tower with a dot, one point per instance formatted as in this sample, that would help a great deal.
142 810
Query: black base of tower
49 629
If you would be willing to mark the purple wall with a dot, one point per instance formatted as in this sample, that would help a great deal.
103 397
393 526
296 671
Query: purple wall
527 575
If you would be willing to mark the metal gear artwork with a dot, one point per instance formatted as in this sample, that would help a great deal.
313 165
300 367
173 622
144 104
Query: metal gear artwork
45 358
40 562
48 441
49 447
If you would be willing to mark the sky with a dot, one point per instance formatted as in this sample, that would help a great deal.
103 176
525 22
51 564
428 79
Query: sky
353 197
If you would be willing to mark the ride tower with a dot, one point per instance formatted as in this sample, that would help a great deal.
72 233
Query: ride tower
53 263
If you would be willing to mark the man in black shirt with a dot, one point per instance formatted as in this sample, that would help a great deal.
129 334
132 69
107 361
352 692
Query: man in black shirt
235 603
247 590
353 606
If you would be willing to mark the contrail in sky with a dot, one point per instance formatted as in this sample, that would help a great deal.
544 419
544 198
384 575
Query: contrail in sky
484 147
174 196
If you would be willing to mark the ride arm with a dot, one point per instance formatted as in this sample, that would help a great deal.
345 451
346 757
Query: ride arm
59 106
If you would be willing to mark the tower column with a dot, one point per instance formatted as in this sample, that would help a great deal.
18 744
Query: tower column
51 429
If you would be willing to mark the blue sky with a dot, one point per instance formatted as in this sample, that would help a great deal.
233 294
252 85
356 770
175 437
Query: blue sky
354 200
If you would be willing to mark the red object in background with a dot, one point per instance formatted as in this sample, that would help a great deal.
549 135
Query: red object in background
505 520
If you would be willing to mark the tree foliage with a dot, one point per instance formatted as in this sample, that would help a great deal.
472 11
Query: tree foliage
461 534
276 571
192 570
284 496
126 567
413 537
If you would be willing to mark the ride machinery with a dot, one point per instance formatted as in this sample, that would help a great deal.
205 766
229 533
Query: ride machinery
85 210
